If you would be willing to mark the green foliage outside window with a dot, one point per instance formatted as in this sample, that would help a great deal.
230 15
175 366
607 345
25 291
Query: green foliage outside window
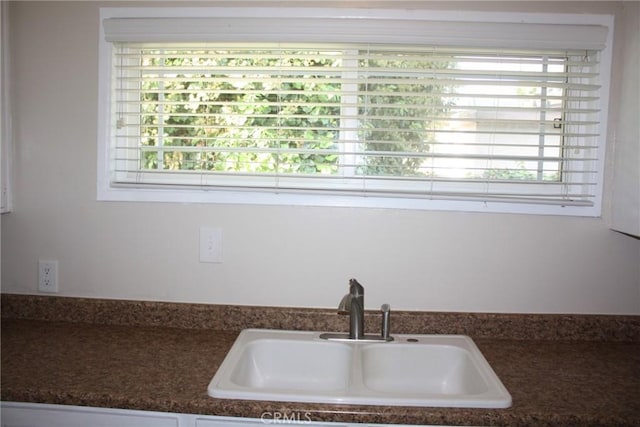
226 112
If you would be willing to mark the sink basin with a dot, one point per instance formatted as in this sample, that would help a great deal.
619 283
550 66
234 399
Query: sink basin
286 364
411 370
429 369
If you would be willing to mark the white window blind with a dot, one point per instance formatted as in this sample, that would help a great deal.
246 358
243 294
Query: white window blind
401 119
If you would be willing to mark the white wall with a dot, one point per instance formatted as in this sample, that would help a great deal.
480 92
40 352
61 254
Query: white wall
281 256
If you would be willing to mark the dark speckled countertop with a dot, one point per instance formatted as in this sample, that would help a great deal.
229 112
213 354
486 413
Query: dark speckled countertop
48 358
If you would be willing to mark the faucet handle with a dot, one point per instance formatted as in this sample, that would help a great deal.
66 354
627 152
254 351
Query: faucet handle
386 322
355 288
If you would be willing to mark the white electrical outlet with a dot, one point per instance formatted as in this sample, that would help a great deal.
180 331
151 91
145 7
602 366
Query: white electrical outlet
210 244
47 276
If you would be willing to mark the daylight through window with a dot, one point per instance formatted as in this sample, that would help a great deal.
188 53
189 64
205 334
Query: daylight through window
393 120
425 122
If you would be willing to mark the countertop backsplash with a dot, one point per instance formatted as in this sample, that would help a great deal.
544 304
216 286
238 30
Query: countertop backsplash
574 327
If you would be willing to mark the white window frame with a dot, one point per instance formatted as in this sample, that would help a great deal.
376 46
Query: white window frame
107 192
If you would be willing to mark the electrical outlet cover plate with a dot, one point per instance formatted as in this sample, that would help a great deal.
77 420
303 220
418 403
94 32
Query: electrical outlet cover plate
48 276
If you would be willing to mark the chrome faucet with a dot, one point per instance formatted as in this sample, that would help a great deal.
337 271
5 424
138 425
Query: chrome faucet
353 304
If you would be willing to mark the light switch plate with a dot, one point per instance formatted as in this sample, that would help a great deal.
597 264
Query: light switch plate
210 244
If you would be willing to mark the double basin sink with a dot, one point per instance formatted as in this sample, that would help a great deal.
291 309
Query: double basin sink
411 370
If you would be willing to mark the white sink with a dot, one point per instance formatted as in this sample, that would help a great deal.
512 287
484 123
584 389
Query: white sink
412 370
296 365
431 369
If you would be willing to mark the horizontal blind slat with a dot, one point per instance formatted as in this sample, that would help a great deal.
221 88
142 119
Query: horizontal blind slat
379 118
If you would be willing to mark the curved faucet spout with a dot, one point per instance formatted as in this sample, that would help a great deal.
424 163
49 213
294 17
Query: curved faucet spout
345 304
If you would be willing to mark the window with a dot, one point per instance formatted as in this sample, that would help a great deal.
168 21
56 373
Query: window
285 108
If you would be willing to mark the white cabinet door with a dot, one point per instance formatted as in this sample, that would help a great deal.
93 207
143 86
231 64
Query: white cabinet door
18 414
625 209
277 419
264 422
35 415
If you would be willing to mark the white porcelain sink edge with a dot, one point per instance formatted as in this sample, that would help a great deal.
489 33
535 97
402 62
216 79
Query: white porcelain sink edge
412 370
